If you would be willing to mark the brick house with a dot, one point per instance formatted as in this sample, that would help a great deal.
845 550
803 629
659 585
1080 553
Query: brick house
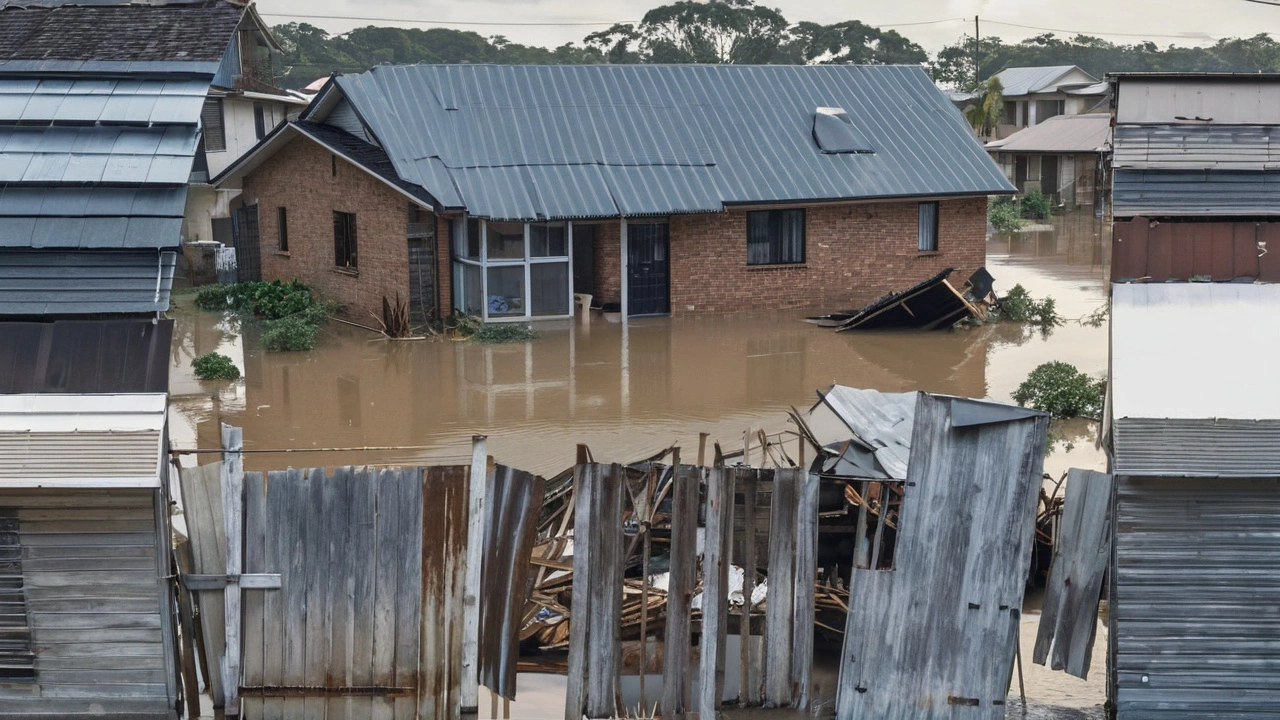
502 191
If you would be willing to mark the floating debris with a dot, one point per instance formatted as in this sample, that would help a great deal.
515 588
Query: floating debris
930 305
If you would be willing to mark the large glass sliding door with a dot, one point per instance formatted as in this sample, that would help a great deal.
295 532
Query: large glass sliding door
512 271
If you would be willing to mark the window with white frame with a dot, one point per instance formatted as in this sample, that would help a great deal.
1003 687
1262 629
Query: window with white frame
504 270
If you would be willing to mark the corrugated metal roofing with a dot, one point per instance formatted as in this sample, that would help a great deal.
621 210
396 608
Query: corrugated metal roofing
498 140
1195 351
107 100
51 440
880 421
1059 134
1027 80
119 155
1195 595
85 356
1161 193
85 282
1197 147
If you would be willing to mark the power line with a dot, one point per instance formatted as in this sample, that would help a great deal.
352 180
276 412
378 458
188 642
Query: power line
365 18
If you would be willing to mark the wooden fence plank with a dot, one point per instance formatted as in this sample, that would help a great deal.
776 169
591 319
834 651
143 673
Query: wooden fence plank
255 519
362 547
684 551
1068 622
294 584
277 537
575 705
385 564
232 508
445 503
779 611
339 588
477 515
715 569
316 549
605 551
748 682
806 558
408 588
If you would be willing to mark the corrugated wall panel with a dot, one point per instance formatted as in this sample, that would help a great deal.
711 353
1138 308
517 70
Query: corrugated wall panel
1181 250
1197 448
85 282
88 569
1197 615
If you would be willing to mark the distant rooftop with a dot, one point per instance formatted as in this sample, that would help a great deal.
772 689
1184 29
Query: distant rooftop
1027 80
1060 134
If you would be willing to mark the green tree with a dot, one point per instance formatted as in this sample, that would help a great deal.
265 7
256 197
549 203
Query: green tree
985 112
853 42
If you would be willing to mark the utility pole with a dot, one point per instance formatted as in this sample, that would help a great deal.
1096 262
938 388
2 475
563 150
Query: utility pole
977 45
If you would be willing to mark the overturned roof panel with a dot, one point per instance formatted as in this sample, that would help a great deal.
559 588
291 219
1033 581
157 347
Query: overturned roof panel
665 138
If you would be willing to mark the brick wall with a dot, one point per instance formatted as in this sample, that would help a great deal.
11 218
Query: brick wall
853 254
608 263
300 178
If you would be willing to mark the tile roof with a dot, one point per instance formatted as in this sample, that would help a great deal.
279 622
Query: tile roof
532 142
181 32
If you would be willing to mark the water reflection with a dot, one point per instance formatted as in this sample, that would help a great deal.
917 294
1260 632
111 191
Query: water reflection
626 390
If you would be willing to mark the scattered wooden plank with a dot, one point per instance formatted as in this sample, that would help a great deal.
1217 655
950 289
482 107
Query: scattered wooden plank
779 613
579 668
479 515
806 570
715 568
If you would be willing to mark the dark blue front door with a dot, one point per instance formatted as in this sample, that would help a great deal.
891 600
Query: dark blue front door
649 270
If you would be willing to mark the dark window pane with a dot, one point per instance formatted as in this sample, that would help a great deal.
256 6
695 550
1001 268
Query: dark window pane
548 240
928 227
505 241
344 239
282 228
506 290
259 120
775 237
549 288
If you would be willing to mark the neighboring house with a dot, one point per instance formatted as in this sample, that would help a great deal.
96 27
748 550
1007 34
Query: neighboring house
243 105
502 191
1194 404
100 109
1062 157
1035 94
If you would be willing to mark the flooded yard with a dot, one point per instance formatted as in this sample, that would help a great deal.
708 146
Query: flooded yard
631 390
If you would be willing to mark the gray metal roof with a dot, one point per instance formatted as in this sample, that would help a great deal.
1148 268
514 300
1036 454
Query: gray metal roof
85 282
156 155
1018 81
880 421
1059 134
531 142
175 100
1197 147
1161 193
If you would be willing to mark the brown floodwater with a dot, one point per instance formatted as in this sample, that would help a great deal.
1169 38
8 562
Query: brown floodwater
631 390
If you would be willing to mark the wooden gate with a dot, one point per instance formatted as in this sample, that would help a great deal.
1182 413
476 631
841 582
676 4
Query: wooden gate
367 622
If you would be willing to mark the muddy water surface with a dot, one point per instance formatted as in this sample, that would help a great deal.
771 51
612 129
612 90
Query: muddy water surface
631 390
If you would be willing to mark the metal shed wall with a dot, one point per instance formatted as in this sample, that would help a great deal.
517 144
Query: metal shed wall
88 569
1196 193
1196 599
1244 100
1171 250
82 282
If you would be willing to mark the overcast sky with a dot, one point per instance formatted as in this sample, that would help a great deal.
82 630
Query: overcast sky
1184 22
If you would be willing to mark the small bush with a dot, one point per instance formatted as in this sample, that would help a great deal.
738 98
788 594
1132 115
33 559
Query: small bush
1036 206
289 334
213 298
1003 216
212 366
504 333
1061 390
1018 306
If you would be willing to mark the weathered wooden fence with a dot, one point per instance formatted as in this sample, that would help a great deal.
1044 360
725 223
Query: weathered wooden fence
354 586
604 502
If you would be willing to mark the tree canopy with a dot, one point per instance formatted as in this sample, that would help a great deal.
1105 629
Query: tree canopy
743 31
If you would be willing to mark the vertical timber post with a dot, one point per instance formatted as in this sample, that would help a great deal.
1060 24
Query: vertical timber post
625 264
715 570
470 688
232 513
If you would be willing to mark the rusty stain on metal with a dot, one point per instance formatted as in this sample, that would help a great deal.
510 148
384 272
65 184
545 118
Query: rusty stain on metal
325 691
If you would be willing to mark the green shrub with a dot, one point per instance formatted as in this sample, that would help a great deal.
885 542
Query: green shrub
1036 206
1003 215
1061 390
504 333
1018 306
212 366
289 334
213 298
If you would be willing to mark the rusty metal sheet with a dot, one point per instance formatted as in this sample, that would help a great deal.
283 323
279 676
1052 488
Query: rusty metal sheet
1217 251
513 506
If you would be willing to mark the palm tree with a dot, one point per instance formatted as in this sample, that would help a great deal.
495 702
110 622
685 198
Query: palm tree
984 115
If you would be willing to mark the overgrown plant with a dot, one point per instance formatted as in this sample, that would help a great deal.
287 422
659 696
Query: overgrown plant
1061 390
1019 306
1003 215
213 366
987 109
470 327
1036 206
289 314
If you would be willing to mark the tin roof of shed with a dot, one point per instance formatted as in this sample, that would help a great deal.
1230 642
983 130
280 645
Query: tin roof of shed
548 141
